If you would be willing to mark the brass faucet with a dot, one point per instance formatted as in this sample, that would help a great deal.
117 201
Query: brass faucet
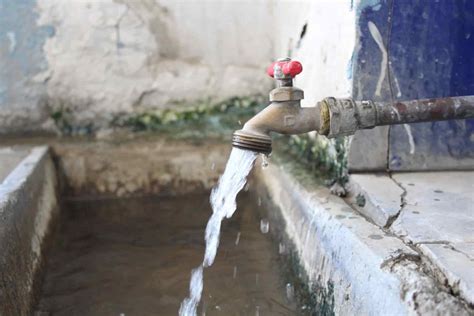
284 115
335 117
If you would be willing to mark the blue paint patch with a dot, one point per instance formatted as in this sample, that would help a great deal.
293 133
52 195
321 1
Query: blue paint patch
431 53
349 67
18 66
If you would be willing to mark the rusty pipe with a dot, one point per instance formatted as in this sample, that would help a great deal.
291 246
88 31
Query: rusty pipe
341 117
345 116
335 117
425 110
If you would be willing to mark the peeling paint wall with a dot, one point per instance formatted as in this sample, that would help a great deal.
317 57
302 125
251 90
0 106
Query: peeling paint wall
98 59
411 50
103 58
22 90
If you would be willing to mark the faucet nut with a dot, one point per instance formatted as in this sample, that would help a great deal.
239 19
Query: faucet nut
286 94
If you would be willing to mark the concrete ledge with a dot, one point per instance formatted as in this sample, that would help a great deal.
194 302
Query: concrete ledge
371 272
376 196
28 203
139 167
438 219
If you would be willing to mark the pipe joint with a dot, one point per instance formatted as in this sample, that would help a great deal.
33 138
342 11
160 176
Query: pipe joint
342 117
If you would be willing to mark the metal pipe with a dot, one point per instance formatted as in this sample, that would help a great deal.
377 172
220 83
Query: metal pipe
425 110
345 116
336 117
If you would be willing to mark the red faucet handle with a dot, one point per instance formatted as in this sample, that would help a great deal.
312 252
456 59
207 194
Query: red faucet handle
284 69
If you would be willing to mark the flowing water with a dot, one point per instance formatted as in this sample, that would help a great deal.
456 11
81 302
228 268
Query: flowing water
223 202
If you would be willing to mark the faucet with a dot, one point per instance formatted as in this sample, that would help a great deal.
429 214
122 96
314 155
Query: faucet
334 117
284 115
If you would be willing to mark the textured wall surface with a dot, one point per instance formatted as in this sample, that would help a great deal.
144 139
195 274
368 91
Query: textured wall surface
97 59
28 204
321 35
22 89
410 50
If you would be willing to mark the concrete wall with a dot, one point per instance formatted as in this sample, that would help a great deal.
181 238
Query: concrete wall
358 266
28 204
321 35
97 59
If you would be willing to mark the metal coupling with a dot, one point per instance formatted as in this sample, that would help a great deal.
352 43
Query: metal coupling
342 117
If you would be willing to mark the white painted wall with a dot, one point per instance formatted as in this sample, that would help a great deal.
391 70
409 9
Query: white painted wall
106 57
326 49
117 56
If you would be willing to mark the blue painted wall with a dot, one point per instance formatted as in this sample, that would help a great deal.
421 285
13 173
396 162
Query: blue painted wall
431 54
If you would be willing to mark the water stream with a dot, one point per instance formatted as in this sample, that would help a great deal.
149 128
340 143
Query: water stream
223 202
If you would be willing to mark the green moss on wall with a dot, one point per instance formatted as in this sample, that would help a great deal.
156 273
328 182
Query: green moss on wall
320 156
314 298
323 158
223 114
204 119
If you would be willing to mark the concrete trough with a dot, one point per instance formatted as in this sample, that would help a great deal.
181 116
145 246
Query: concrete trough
36 178
28 204
362 269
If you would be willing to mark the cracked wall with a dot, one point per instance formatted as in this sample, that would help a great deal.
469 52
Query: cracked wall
98 59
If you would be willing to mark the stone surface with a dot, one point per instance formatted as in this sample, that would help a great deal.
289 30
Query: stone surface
439 219
28 204
376 196
371 272
439 207
455 266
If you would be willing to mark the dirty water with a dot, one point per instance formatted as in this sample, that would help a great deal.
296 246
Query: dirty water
134 257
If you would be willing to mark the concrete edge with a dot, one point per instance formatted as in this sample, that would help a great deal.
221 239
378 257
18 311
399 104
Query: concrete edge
376 196
28 204
370 270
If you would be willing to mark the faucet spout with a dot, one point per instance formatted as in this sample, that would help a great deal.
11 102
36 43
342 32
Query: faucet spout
285 117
